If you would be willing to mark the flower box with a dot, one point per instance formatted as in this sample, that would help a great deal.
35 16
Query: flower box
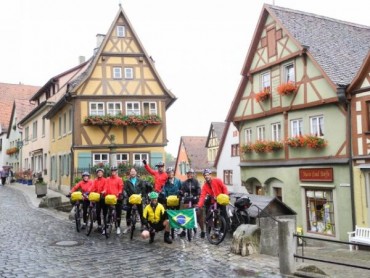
12 150
262 95
121 120
306 141
287 88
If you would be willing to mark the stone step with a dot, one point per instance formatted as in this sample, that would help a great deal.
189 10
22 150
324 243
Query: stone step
65 207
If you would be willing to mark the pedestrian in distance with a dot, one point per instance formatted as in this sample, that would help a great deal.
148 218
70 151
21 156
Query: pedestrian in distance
98 187
155 219
84 186
3 175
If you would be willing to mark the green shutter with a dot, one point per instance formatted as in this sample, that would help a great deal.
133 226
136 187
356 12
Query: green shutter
155 158
84 160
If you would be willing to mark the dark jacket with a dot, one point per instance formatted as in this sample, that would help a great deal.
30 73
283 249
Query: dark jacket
138 188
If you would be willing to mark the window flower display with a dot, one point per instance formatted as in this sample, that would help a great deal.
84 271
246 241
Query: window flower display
262 95
287 88
121 120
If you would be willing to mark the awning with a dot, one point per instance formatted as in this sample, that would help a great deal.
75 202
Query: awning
363 166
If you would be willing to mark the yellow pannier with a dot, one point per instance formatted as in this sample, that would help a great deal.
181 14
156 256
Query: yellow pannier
173 201
76 196
223 199
135 199
94 197
110 200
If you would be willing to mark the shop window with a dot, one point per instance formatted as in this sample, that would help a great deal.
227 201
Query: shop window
320 211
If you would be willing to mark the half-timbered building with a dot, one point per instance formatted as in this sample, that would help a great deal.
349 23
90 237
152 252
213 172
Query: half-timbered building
291 110
118 108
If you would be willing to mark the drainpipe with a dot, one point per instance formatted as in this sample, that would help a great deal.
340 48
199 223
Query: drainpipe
68 99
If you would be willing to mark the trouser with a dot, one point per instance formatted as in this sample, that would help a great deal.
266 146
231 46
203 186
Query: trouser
3 180
99 207
118 207
129 210
200 218
85 206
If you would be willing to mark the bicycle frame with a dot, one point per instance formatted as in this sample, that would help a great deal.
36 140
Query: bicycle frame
110 220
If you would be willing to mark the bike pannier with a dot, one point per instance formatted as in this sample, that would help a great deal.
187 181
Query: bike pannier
135 199
173 201
110 200
94 197
76 196
243 202
223 199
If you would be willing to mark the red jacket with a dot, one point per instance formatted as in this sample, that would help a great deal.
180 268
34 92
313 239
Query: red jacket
159 178
214 189
113 185
98 185
84 185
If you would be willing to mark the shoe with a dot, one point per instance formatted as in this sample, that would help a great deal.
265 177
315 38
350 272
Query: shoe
167 238
183 234
103 232
195 230
83 227
151 240
118 231
202 234
127 230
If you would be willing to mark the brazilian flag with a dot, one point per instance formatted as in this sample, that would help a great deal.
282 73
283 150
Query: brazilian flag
184 218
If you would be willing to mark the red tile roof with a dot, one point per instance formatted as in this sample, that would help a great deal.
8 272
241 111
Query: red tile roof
196 150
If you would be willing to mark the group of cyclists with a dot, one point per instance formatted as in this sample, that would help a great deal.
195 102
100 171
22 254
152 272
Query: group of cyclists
152 211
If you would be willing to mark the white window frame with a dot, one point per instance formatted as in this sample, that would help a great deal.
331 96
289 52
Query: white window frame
265 80
100 158
96 111
70 118
129 73
64 123
150 108
26 135
53 131
43 127
34 130
117 73
289 73
317 126
248 136
296 127
121 31
122 158
133 108
60 126
114 110
276 132
139 157
261 133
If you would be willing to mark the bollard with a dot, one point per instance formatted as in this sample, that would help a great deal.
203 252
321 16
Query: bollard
286 246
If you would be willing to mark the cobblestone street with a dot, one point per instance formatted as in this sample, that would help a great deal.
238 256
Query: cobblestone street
34 243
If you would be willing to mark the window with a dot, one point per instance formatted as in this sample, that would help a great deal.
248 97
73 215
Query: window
34 130
248 135
261 133
121 31
70 116
289 74
296 127
43 128
64 123
114 108
97 109
368 115
317 126
139 157
60 127
150 108
117 73
276 132
235 150
265 81
53 131
122 158
129 73
27 134
320 211
228 177
100 158
132 108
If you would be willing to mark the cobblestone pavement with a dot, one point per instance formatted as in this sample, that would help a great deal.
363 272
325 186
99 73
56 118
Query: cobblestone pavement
35 242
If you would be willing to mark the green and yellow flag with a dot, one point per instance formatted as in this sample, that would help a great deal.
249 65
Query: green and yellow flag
184 218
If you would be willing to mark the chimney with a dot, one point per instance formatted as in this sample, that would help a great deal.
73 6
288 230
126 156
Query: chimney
81 59
99 39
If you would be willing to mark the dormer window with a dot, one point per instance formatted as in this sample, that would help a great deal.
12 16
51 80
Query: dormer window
121 31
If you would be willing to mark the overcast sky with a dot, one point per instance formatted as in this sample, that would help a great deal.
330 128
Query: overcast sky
198 46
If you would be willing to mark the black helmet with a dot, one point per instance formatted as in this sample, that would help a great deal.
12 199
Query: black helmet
99 169
113 168
160 164
191 170
85 174
207 171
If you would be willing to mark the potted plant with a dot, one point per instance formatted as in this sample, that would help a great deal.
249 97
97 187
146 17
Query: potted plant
41 188
315 142
262 95
260 146
274 146
287 88
296 141
247 148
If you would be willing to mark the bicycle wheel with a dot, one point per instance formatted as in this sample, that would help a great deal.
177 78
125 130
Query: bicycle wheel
133 223
90 221
109 226
216 229
78 218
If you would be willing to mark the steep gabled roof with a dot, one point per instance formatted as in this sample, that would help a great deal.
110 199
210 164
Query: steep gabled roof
218 128
8 93
362 74
195 147
222 143
21 107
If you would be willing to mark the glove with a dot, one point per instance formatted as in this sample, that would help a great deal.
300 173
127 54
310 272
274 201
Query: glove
68 195
144 162
196 208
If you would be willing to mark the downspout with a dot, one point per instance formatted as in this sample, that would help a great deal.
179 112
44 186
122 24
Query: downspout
67 99
342 98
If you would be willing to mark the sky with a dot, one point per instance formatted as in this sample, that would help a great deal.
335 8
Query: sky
198 46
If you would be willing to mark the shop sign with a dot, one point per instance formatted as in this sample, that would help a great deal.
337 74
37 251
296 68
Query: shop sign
316 174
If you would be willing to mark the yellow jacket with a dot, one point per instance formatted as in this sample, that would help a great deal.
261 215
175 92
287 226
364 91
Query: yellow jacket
154 216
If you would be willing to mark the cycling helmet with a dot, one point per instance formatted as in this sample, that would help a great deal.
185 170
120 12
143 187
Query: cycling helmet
153 195
170 169
160 164
99 169
113 168
207 171
85 174
191 170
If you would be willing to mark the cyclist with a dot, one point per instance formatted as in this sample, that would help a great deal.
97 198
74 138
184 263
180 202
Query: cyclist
159 175
172 185
114 186
213 187
154 217
98 187
191 187
84 186
133 185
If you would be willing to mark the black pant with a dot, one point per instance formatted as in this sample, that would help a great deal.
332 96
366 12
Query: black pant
118 207
128 214
99 207
3 180
85 206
